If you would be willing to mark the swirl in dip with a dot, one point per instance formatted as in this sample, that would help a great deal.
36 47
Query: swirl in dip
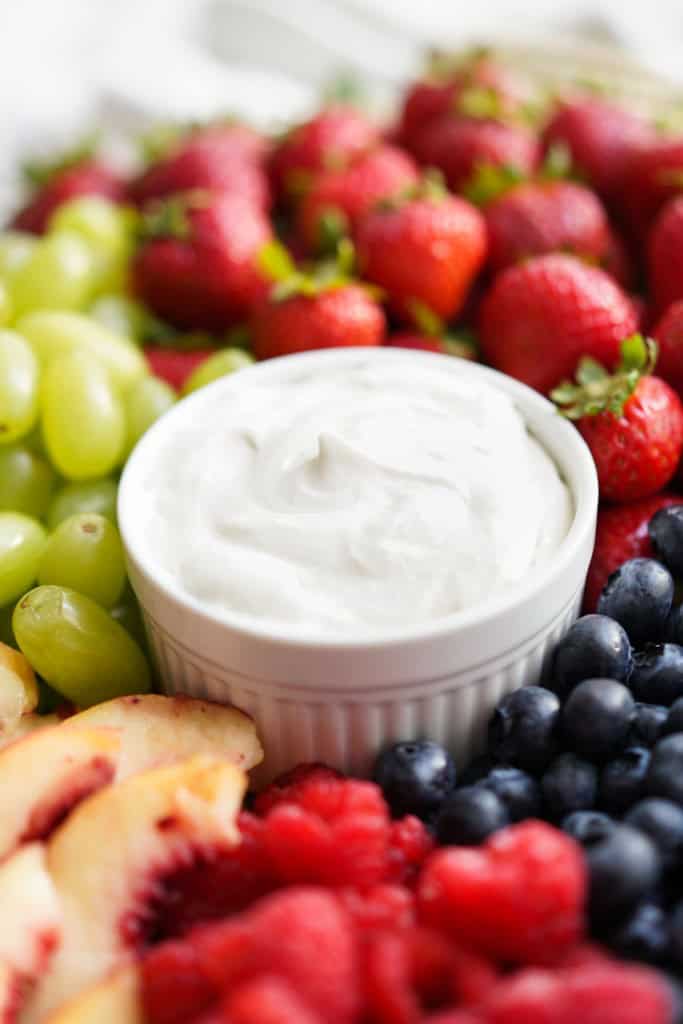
366 496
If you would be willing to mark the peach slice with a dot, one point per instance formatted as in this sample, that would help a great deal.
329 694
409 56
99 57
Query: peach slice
114 853
18 688
157 730
31 923
47 773
115 1000
27 724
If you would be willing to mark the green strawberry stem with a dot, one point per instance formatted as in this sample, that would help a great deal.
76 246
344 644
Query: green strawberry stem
597 391
276 263
39 172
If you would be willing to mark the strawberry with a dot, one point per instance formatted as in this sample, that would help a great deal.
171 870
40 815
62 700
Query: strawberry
621 535
77 174
174 365
537 217
601 137
668 333
198 266
445 344
329 141
422 249
223 157
326 309
631 421
460 146
540 317
617 260
653 174
338 199
664 248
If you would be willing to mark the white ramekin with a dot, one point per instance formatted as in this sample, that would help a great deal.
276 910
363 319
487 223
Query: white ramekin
342 702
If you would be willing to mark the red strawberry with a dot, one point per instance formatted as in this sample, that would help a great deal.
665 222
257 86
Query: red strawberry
668 333
199 267
327 142
537 217
173 365
621 535
222 157
338 199
540 317
334 317
617 261
461 146
85 177
632 422
424 250
445 344
601 137
665 246
653 174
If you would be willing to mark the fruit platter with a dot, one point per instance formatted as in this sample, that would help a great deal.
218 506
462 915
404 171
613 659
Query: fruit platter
341 554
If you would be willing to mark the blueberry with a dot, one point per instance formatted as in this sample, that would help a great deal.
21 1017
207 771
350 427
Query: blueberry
595 647
415 777
569 784
647 725
676 933
517 790
658 673
596 718
624 870
674 625
674 719
666 533
644 936
522 730
469 815
477 769
587 826
665 777
662 821
639 596
622 781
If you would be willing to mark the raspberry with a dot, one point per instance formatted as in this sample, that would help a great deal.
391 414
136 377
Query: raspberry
520 897
289 787
530 997
613 993
409 845
267 1001
172 987
382 907
302 937
387 976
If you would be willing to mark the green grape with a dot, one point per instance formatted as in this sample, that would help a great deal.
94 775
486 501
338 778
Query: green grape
120 314
16 247
147 400
55 334
226 361
22 540
128 614
18 387
107 227
77 647
5 304
85 553
26 481
83 419
59 274
98 496
6 631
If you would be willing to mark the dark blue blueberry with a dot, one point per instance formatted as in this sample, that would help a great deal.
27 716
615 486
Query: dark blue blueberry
639 595
622 781
666 533
665 777
595 647
662 821
415 777
477 769
657 674
517 790
674 626
644 936
674 719
569 784
596 718
676 935
587 826
647 725
522 730
624 869
469 816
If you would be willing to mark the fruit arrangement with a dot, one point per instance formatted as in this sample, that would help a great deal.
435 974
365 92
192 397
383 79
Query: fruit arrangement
540 234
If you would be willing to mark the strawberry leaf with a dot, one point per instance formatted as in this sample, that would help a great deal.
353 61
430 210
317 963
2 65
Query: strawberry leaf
425 318
40 172
480 101
596 391
275 261
488 182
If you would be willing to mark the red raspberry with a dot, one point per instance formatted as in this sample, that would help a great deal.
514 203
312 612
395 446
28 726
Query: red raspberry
529 997
520 897
443 972
172 988
387 981
409 846
613 993
288 787
381 907
449 1017
267 1001
302 937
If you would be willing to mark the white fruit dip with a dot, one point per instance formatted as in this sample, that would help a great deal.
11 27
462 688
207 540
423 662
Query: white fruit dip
357 497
